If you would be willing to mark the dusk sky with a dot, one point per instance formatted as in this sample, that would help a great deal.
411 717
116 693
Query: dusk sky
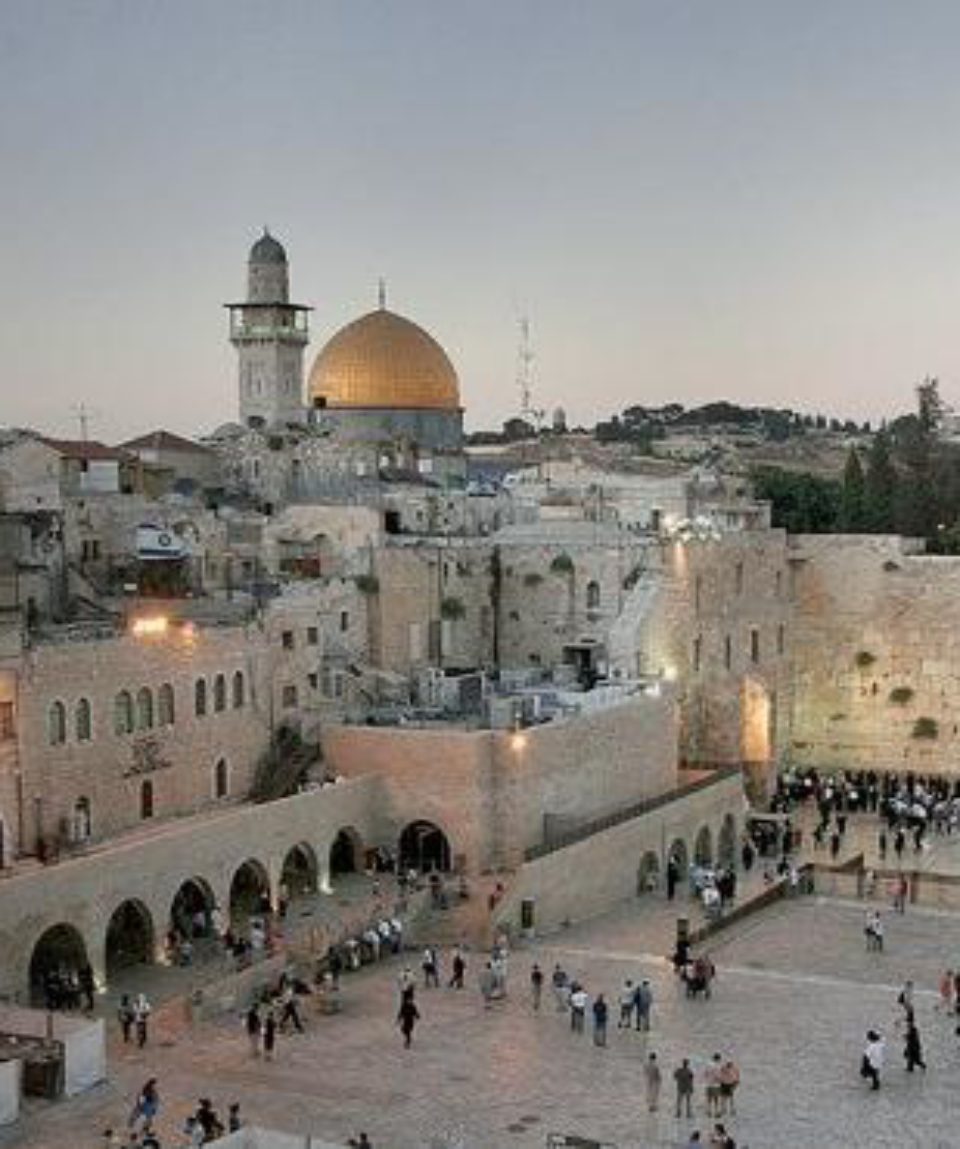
754 201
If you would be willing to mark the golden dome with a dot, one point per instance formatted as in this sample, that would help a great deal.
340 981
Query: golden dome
384 360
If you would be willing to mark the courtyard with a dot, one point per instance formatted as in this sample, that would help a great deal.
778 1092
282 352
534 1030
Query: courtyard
795 994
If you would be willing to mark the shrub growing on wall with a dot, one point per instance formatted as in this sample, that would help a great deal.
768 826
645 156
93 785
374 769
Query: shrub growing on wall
532 579
367 584
452 608
925 728
864 659
901 695
562 564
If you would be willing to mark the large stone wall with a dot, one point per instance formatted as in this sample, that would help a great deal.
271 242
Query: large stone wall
872 617
490 791
588 877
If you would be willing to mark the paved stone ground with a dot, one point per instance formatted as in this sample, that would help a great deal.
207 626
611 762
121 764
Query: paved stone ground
796 992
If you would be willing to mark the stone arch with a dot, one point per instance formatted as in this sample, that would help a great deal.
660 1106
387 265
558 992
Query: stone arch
346 852
648 873
130 938
424 846
300 871
249 890
59 949
727 842
193 898
703 847
679 855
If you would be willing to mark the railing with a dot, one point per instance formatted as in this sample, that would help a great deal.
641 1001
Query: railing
628 813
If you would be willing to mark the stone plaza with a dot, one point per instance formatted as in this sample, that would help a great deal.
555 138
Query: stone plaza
795 993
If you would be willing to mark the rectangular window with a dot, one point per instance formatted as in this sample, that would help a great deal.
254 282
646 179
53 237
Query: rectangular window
754 645
289 697
6 722
344 620
286 640
313 636
313 680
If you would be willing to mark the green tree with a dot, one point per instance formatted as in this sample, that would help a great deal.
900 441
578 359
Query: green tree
880 486
852 516
800 503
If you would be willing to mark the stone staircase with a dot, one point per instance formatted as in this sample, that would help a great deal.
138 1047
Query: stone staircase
468 922
624 637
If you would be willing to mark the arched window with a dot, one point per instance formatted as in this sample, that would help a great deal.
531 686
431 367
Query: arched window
146 799
123 713
82 825
219 693
221 779
593 595
200 697
83 720
57 724
165 709
144 708
238 690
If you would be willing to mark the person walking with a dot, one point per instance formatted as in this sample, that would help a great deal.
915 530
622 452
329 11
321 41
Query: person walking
871 1063
912 1050
882 844
711 1081
269 1035
431 968
125 1017
254 1027
146 1108
721 1139
946 990
643 1004
559 984
141 1015
536 986
578 1008
407 1018
626 1004
673 876
652 1079
600 1012
459 969
683 1079
729 1081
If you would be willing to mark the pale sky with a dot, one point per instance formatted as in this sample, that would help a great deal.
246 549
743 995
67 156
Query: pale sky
757 201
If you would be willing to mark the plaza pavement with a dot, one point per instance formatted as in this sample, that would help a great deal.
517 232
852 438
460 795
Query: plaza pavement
796 991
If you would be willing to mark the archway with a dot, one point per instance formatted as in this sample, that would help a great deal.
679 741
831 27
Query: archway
130 937
58 952
424 847
191 912
299 873
727 842
346 853
249 891
680 858
703 847
648 873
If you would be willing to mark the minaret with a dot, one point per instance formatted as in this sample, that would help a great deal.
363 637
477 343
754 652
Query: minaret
269 333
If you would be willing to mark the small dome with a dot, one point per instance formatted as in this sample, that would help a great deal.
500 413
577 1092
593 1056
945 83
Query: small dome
267 250
384 360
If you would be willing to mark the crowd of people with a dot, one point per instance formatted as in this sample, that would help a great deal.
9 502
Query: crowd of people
201 1127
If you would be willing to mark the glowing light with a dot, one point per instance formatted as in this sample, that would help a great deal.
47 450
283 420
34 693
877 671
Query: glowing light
518 742
153 627
669 674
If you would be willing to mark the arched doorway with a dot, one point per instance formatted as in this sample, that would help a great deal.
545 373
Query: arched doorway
680 858
59 952
648 873
249 891
703 847
346 853
299 873
191 912
424 847
727 843
130 937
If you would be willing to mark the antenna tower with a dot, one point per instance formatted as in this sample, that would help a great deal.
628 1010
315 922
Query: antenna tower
525 358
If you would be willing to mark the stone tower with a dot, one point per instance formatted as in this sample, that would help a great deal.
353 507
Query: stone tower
269 333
